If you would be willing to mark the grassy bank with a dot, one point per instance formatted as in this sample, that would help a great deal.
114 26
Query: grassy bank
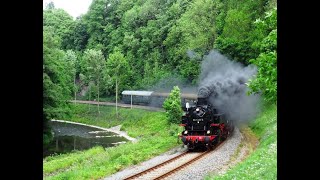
262 163
151 128
88 114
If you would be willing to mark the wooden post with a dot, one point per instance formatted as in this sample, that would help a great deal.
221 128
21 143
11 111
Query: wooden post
131 101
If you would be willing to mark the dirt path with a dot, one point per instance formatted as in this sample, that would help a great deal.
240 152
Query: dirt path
120 105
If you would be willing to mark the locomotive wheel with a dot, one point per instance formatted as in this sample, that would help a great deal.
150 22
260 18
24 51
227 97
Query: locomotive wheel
225 135
190 147
209 147
219 137
217 141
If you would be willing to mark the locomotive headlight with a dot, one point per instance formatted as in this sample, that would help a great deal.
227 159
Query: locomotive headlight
185 132
208 132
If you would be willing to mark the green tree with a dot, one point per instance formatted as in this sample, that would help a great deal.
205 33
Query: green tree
95 22
71 59
195 31
96 67
62 24
79 36
266 79
118 69
91 87
236 29
56 78
172 105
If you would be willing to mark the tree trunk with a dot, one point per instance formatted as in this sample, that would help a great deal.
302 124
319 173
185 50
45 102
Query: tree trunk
89 96
75 91
117 97
98 97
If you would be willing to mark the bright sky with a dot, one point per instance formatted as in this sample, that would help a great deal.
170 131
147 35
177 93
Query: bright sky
73 7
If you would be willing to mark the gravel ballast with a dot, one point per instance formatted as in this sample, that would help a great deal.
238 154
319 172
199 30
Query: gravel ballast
212 162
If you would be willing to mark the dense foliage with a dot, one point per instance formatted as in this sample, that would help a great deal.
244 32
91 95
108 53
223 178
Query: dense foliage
266 80
144 41
172 105
56 78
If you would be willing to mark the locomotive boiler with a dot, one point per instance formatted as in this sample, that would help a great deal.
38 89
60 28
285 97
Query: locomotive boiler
203 125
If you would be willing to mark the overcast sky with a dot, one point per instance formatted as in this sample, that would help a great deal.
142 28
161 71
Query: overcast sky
73 7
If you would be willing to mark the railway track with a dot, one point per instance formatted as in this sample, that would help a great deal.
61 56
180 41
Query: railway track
171 166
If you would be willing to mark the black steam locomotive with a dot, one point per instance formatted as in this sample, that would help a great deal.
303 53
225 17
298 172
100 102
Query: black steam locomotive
203 125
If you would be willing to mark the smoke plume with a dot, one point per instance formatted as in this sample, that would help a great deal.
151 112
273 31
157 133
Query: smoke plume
223 82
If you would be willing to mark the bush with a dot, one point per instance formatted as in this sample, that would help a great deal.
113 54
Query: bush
172 105
265 81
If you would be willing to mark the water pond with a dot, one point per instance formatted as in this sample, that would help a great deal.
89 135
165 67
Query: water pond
71 137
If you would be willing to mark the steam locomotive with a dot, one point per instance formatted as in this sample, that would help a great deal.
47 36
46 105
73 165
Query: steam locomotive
203 125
